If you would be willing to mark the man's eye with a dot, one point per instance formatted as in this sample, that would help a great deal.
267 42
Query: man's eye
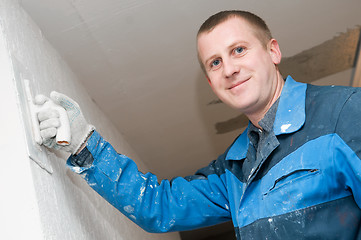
215 63
239 50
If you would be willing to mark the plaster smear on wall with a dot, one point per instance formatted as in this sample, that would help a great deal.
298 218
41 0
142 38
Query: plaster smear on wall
68 207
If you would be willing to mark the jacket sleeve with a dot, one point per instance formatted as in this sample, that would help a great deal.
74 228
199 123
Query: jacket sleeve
348 151
176 205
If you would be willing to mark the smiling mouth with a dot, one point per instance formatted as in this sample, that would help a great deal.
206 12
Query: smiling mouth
238 84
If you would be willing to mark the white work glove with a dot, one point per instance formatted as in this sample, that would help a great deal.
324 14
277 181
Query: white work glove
49 122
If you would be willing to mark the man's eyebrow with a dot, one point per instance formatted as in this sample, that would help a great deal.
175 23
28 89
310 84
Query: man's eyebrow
244 43
210 58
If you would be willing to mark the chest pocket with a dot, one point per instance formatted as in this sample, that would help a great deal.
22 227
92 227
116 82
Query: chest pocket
291 178
293 175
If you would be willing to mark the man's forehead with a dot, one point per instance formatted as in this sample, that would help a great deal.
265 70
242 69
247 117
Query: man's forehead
233 24
226 32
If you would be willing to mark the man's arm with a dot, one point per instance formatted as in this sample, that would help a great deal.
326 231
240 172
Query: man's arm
348 150
156 207
174 205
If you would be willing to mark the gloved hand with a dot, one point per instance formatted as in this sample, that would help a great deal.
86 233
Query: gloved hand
49 122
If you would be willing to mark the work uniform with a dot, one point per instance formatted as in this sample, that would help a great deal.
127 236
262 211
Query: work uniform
298 178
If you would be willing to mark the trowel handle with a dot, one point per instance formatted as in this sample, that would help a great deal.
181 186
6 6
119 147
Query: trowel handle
63 135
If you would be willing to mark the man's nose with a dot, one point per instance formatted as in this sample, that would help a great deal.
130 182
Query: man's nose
230 68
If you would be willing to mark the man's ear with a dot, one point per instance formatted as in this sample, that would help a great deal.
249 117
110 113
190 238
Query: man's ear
275 51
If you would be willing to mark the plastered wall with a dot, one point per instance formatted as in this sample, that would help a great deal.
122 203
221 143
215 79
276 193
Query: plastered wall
34 203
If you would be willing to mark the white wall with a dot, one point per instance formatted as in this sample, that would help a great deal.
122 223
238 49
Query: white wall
35 204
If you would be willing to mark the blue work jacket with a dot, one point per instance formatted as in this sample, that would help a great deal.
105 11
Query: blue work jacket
306 186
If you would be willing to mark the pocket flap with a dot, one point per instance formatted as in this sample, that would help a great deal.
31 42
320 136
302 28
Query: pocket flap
288 170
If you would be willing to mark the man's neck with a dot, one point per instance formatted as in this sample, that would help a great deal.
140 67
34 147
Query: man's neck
258 115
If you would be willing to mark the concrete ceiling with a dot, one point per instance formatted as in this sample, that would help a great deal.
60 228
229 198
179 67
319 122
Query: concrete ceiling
138 61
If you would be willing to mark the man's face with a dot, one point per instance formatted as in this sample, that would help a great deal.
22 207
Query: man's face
239 68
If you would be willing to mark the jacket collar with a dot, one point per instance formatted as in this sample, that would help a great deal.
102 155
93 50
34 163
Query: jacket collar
290 117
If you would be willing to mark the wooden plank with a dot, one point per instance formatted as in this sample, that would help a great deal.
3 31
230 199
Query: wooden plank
330 57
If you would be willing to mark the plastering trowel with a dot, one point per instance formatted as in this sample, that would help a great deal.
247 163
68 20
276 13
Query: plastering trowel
63 135
29 110
28 114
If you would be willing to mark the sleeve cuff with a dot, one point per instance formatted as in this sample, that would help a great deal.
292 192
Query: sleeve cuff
83 159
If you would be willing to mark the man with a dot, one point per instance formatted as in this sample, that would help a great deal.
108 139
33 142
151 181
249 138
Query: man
294 173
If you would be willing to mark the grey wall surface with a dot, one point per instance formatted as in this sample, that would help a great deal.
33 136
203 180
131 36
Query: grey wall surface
35 203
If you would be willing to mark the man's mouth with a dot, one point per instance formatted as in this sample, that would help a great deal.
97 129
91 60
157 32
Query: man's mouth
238 83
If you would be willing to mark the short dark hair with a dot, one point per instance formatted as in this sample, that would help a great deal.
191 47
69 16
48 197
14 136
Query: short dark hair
262 31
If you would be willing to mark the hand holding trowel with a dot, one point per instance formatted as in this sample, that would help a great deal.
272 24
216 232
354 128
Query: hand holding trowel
58 122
